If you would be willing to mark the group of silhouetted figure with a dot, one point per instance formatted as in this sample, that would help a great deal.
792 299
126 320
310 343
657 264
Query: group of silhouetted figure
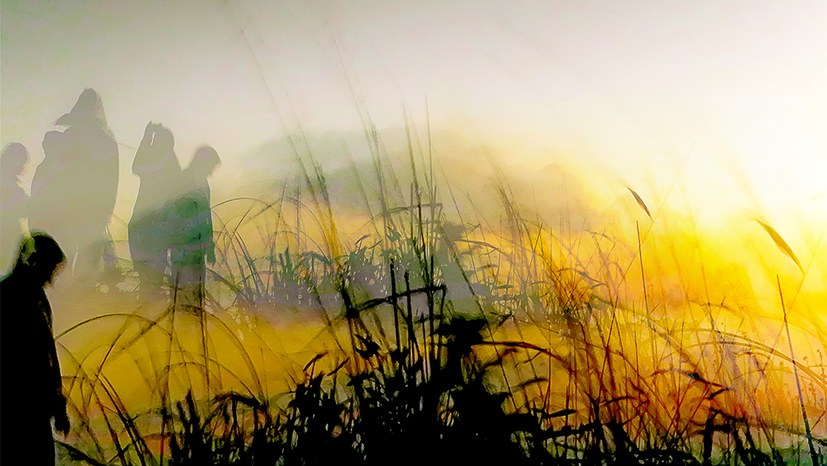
73 195
73 190
65 222
171 225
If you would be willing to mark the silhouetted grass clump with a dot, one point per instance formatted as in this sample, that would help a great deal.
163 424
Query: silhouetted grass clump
439 342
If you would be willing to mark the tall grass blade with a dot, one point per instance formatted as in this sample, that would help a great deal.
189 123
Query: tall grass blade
781 244
640 202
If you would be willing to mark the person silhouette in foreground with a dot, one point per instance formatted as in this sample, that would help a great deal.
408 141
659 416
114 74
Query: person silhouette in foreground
75 187
193 245
149 237
31 393
13 202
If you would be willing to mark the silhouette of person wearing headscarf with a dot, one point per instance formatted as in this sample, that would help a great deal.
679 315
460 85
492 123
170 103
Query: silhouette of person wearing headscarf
32 392
193 245
149 236
74 188
13 202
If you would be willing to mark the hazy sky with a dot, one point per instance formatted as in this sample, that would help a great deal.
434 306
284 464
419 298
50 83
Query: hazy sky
725 98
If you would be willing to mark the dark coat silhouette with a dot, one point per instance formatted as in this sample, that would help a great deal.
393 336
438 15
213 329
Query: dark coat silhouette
75 187
193 245
13 202
149 233
31 391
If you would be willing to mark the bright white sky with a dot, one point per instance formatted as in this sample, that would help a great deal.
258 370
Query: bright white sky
727 100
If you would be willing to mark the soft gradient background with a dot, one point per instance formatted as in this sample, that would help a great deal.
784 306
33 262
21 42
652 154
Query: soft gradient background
714 110
727 98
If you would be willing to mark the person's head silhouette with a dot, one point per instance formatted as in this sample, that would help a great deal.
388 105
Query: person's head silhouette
40 258
13 160
87 110
163 138
204 162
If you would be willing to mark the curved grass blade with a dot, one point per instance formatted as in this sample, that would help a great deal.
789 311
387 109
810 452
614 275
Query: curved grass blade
780 243
640 202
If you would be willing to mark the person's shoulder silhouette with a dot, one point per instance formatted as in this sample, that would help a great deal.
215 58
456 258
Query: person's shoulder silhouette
192 207
80 165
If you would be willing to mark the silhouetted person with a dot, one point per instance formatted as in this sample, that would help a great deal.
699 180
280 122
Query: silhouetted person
193 234
149 232
13 202
31 393
74 188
